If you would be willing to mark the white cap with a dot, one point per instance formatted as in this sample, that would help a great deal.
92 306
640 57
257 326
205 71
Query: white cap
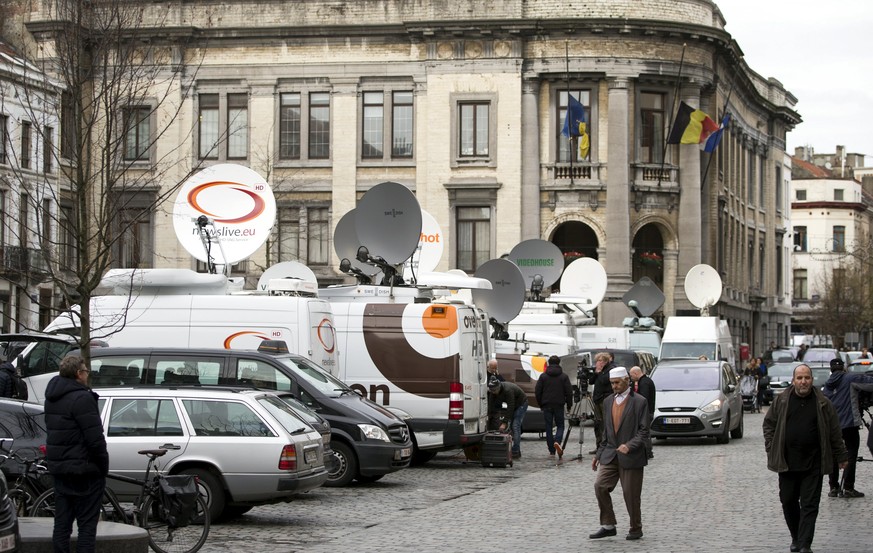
618 372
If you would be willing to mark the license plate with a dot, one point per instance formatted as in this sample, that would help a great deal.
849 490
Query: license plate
310 455
405 452
678 420
7 543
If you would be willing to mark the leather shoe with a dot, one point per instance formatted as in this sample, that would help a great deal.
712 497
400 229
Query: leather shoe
634 535
794 548
602 533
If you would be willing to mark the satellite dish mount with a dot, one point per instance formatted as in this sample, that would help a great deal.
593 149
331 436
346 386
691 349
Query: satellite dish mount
207 237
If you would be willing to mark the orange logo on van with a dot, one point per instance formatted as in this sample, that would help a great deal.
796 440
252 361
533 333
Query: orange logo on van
236 335
327 335
258 208
440 321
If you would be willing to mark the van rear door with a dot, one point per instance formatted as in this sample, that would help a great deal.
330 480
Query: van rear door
322 347
475 352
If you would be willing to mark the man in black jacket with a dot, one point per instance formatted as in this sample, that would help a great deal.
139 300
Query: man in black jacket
553 391
644 386
7 379
603 363
75 454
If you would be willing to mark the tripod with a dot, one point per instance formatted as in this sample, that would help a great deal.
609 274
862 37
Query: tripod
582 411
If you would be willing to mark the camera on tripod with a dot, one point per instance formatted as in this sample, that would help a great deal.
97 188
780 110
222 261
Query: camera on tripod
583 376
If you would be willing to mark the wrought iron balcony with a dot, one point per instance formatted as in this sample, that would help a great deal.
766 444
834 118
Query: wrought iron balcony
21 262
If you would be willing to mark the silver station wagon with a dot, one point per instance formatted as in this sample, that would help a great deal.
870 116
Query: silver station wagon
247 447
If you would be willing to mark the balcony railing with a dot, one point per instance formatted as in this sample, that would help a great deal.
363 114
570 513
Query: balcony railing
20 262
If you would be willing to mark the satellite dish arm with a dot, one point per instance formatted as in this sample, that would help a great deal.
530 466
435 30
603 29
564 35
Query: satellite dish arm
202 222
347 268
390 278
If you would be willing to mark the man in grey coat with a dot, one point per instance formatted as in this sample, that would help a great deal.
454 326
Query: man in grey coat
802 438
621 455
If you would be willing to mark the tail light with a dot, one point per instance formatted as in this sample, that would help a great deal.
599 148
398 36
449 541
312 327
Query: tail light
288 458
456 401
42 449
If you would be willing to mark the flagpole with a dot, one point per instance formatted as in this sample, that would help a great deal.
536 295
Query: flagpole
723 112
569 133
672 110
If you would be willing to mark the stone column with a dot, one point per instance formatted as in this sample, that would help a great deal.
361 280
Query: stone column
689 206
618 261
344 146
670 280
530 159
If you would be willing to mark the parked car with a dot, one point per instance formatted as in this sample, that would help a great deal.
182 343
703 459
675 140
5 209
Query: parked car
697 398
10 539
246 447
22 429
368 440
820 357
781 375
317 422
860 366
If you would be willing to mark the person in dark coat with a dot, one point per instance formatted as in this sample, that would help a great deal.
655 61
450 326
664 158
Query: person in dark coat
76 454
621 455
7 379
599 379
516 406
553 391
644 386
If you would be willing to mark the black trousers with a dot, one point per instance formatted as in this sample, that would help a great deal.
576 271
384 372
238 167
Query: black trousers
852 439
800 493
78 498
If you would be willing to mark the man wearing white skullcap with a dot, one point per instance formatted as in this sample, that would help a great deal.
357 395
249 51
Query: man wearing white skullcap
621 454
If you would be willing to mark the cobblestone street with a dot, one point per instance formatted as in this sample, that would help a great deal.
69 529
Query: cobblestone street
697 496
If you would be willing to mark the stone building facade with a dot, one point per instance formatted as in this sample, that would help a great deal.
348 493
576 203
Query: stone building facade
463 102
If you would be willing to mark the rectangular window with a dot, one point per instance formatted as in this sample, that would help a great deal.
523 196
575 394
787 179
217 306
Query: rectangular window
800 195
289 233
474 237
137 133
318 230
778 184
761 190
68 126
4 217
761 263
800 239
800 291
135 243
750 176
652 127
473 128
750 259
4 137
838 195
25 145
208 127
237 126
402 124
289 125
564 150
47 149
46 227
374 121
67 237
319 125
839 238
780 289
22 220
140 417
225 418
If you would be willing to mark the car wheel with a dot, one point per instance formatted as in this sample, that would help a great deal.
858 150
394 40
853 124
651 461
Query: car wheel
211 491
737 432
725 435
420 457
234 511
345 468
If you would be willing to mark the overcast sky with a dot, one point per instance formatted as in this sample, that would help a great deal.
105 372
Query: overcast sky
823 53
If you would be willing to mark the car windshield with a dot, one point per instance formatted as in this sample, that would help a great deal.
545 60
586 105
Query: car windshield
782 370
820 376
318 377
284 414
687 350
685 378
819 355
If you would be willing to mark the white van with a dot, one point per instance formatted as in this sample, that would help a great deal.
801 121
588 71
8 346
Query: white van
693 337
204 317
426 358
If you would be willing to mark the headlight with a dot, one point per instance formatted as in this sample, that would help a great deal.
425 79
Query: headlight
373 432
712 407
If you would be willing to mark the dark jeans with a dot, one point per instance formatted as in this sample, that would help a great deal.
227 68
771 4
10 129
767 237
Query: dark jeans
800 493
852 438
78 498
554 416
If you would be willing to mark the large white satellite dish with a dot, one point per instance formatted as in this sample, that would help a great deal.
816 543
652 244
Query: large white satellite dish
703 287
585 278
286 269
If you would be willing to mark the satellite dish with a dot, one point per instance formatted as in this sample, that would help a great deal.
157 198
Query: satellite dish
648 296
286 269
346 244
585 277
506 297
235 201
429 251
538 257
388 222
703 286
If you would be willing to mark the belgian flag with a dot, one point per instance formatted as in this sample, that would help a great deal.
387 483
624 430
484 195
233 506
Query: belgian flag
692 126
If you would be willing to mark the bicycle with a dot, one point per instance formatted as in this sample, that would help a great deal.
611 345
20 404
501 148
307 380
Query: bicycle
30 482
170 529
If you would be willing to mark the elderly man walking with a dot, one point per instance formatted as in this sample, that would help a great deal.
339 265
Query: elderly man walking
621 455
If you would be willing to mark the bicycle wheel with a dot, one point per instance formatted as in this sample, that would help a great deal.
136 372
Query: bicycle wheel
44 506
110 510
164 539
